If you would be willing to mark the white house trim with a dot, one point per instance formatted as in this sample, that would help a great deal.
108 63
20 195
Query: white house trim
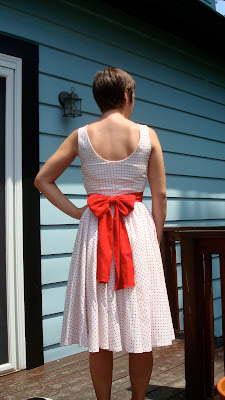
11 69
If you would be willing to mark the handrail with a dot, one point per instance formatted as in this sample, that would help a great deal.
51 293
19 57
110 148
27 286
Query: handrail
197 246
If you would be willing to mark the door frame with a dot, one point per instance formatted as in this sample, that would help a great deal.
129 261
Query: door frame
11 70
30 246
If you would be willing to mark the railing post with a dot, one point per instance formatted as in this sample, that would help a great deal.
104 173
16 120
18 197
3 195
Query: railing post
170 278
198 303
222 280
193 298
209 329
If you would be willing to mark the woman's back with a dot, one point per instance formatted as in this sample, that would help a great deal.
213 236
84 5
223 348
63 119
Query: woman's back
114 138
114 158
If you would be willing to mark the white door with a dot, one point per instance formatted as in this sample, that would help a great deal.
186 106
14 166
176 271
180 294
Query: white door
12 313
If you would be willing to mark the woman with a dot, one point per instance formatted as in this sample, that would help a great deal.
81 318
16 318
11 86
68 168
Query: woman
116 295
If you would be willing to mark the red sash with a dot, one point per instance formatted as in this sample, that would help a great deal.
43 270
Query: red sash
110 228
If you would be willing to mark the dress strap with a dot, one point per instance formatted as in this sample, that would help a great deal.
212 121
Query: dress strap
145 139
83 147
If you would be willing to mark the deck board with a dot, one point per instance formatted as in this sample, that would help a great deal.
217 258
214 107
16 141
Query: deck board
69 378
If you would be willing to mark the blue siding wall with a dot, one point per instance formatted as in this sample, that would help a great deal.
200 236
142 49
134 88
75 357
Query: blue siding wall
210 3
180 93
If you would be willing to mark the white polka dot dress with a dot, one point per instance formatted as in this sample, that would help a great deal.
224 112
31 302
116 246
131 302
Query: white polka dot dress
134 319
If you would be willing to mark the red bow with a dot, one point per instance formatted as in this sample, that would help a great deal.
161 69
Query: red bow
109 227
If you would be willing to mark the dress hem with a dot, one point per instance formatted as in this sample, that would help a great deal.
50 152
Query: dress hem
160 344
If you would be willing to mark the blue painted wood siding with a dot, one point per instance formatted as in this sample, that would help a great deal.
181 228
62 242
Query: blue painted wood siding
210 3
180 93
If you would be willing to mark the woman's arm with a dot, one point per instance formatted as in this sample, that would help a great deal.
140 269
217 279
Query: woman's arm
52 169
157 182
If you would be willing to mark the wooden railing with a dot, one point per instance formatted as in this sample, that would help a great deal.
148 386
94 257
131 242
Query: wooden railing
197 246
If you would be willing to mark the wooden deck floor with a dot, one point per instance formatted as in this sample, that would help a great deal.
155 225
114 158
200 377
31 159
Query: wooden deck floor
69 378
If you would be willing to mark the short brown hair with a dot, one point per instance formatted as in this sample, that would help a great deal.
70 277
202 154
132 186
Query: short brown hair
108 88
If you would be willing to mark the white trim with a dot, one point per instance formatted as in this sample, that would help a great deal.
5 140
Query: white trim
11 68
9 219
5 368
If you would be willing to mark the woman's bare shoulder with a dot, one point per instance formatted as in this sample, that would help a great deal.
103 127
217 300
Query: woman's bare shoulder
113 124
73 136
71 142
154 140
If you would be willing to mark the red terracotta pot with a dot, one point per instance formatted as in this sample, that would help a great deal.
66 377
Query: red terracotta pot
221 388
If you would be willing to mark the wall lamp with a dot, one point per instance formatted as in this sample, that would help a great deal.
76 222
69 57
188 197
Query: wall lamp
71 103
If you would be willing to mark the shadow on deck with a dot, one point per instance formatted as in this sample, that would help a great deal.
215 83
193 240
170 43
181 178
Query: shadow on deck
69 378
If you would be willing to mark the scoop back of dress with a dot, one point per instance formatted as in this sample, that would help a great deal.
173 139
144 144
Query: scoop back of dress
133 319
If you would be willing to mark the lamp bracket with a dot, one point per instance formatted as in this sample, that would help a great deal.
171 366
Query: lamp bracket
62 96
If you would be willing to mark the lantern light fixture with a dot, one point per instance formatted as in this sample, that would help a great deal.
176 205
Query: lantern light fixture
71 103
